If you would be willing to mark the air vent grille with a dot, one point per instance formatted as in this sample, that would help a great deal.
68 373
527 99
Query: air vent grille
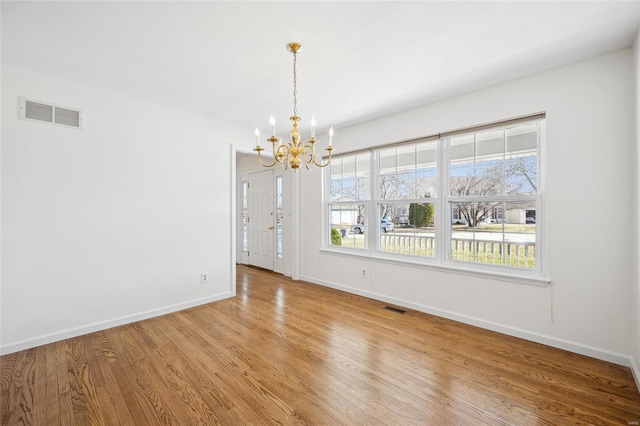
394 309
41 112
67 117
49 113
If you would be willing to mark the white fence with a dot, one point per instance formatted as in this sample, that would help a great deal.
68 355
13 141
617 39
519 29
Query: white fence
518 254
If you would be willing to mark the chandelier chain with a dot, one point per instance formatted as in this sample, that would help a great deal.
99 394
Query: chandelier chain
295 85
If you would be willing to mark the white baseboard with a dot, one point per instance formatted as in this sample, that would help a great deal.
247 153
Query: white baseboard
500 328
103 325
636 372
578 348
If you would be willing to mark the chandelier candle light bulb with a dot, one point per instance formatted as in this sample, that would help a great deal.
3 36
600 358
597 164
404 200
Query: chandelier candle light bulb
295 152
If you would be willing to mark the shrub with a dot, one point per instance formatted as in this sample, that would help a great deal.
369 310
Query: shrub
421 214
336 240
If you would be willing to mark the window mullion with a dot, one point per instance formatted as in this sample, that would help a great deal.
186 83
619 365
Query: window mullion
505 198
373 202
444 223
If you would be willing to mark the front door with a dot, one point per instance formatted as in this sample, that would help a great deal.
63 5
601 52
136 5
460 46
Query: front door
261 219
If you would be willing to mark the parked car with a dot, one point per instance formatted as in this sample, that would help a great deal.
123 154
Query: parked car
385 224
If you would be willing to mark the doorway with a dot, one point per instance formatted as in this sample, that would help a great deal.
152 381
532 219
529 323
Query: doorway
262 215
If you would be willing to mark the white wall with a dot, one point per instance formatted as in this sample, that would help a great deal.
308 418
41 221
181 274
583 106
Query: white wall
590 251
113 222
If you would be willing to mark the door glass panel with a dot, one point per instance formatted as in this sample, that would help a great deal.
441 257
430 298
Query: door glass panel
279 218
245 216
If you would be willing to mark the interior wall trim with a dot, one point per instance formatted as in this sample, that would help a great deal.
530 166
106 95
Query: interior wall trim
636 372
103 325
598 353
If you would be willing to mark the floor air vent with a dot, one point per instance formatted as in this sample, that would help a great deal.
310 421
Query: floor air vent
397 310
49 113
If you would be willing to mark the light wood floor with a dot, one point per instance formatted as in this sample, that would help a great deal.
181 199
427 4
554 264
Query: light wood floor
285 352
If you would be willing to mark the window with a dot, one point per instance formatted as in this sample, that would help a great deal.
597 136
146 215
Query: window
466 200
349 195
406 201
492 191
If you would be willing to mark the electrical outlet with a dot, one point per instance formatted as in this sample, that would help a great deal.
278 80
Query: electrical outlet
364 273
204 277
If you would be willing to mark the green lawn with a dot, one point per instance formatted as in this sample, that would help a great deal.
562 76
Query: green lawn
497 227
495 253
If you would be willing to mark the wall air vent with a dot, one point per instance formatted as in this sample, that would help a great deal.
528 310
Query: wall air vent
394 309
49 113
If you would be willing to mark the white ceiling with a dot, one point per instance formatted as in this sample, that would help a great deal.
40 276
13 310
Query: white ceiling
361 60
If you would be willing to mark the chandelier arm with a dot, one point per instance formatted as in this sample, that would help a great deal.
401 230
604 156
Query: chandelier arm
279 152
280 156
306 152
328 159
259 150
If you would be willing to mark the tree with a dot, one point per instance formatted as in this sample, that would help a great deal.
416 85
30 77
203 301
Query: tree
388 185
518 175
399 186
476 212
522 174
351 189
421 214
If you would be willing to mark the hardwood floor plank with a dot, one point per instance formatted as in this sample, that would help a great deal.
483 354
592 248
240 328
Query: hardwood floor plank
49 375
290 352
20 396
122 372
183 390
45 388
110 399
147 401
59 402
75 379
187 365
7 368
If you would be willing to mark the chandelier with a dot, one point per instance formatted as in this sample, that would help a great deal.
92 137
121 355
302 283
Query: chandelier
294 153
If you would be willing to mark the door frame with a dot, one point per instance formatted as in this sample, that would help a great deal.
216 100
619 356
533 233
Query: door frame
291 266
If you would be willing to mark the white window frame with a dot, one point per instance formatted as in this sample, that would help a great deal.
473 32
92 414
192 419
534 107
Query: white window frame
447 199
377 200
443 217
366 202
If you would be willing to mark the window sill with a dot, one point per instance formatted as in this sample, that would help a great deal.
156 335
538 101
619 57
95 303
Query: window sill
525 277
